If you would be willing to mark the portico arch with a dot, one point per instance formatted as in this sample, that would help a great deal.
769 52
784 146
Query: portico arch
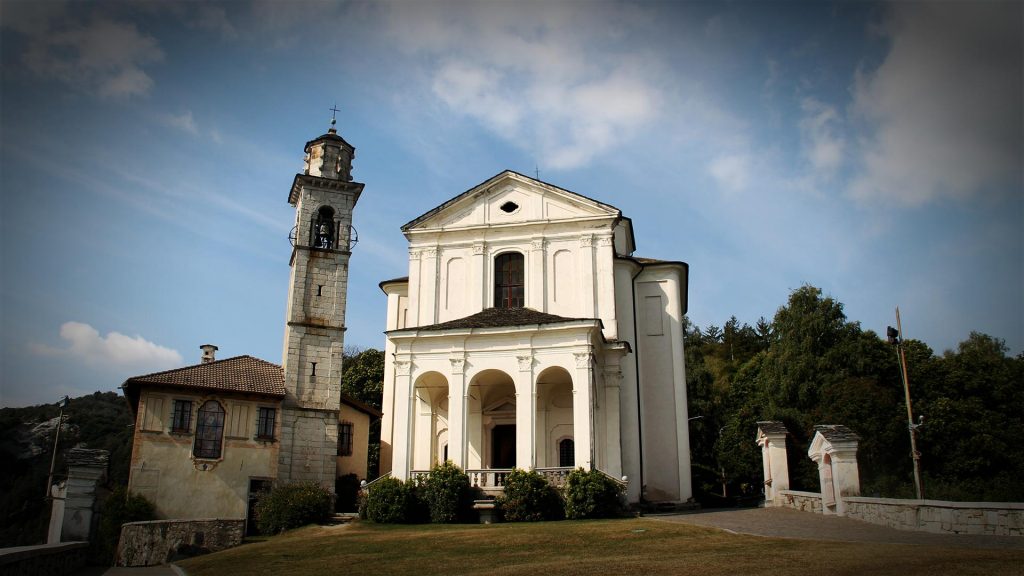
554 421
491 420
430 420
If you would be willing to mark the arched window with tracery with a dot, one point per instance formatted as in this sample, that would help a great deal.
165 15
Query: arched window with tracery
209 430
509 289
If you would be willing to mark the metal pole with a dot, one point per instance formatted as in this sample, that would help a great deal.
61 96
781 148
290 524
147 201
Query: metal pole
56 439
911 427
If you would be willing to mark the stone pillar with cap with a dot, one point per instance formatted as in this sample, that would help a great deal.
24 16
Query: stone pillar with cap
771 437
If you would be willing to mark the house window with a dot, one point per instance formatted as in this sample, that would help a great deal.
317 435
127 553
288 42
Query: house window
567 453
181 419
265 424
345 439
508 281
209 430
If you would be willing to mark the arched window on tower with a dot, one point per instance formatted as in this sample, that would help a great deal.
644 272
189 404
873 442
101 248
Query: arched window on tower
324 228
508 281
209 430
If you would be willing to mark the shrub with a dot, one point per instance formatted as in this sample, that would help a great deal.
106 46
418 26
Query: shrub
292 505
120 508
390 501
592 495
446 493
529 498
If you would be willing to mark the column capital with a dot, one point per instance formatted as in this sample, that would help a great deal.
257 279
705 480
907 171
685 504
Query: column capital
587 241
458 365
582 359
478 248
604 240
525 362
403 367
537 244
414 254
430 252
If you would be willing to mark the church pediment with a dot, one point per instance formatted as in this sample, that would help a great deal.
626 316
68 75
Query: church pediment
510 198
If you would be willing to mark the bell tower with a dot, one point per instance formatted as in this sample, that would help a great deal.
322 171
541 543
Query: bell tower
323 196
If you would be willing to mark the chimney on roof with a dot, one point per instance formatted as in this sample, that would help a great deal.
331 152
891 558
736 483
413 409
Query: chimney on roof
208 353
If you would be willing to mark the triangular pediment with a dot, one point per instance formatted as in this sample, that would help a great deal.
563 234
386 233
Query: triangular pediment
510 198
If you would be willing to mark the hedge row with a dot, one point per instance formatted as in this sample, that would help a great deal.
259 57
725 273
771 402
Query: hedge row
444 496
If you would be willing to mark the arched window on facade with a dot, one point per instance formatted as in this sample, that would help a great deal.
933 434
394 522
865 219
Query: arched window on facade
509 290
566 453
323 228
209 430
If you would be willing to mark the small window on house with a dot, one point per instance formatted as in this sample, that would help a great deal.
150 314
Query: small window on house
567 453
509 207
181 419
345 439
509 289
209 430
265 424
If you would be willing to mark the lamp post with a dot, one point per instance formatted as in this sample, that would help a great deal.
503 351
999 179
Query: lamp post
895 336
56 438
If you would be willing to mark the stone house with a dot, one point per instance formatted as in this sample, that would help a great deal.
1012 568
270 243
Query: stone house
527 334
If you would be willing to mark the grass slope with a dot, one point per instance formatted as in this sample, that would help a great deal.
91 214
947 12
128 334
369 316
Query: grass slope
633 546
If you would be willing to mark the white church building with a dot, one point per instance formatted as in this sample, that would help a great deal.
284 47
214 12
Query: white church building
528 335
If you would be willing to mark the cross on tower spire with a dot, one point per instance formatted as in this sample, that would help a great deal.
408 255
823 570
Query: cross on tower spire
334 111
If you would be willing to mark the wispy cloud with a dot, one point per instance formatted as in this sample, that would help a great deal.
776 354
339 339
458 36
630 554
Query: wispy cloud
184 122
943 109
84 343
560 83
822 145
104 57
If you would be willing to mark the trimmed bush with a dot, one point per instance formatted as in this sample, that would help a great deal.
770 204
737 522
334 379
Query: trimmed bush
119 508
389 502
529 497
446 493
293 505
592 495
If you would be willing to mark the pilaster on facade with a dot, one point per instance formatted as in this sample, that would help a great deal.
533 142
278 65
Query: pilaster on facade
583 409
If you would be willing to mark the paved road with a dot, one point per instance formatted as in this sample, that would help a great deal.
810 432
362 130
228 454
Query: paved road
789 523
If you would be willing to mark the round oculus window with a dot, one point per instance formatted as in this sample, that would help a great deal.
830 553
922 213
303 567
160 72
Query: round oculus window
509 207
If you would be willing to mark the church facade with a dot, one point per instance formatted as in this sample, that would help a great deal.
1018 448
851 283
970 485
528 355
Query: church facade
528 335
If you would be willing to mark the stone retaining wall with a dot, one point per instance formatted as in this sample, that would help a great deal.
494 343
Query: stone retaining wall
806 501
162 541
941 517
44 560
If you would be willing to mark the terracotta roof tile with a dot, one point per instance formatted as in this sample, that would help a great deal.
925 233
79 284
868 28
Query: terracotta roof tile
501 317
239 374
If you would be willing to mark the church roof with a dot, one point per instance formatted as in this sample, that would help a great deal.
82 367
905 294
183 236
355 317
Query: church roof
239 374
493 180
500 317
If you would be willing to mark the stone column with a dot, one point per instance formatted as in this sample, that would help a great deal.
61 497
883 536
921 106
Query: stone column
613 446
86 469
535 296
403 415
526 411
587 281
582 410
457 412
478 274
605 277
771 437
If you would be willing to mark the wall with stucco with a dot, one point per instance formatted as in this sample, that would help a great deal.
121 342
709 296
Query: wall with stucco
358 461
164 470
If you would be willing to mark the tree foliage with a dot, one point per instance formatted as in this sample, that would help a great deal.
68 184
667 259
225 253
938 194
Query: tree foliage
810 365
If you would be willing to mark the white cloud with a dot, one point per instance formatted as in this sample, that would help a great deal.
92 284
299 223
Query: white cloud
184 122
555 80
822 146
103 57
86 344
731 171
944 109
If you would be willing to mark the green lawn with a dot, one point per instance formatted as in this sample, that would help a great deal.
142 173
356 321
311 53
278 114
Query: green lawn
632 546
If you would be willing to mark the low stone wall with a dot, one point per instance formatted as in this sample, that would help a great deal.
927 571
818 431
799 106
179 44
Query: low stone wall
806 501
996 518
44 560
162 541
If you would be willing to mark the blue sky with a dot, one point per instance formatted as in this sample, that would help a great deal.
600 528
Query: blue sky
147 150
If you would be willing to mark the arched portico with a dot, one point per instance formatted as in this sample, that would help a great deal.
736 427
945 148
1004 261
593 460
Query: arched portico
429 420
554 419
491 421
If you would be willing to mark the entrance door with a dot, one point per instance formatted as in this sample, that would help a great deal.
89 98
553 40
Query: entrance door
257 489
503 446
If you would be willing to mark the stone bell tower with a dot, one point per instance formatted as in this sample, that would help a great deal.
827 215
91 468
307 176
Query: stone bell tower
323 196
